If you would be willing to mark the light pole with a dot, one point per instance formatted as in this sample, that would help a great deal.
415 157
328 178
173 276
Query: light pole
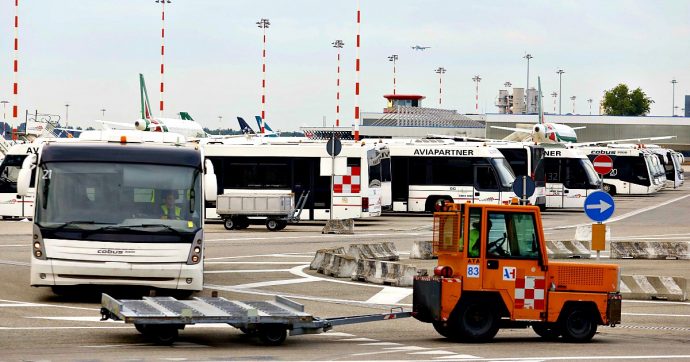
673 98
4 116
220 121
573 99
528 57
507 85
66 114
393 58
338 44
590 105
560 89
263 24
103 112
440 71
162 89
476 80
554 95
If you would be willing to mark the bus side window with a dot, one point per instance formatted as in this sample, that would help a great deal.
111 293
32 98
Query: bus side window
486 178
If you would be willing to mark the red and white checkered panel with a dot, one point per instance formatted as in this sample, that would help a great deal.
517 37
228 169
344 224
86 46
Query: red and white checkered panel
348 184
529 293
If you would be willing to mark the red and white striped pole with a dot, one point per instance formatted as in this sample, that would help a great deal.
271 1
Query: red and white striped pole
440 71
393 58
338 44
15 86
476 80
162 89
263 24
357 77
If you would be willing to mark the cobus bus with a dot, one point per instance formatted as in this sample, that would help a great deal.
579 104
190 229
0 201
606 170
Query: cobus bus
118 208
428 172
569 177
303 166
13 205
633 170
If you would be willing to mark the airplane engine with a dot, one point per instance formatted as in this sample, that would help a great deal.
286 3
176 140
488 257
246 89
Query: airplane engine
141 124
539 133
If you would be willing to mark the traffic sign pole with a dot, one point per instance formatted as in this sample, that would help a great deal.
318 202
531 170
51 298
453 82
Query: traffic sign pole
599 206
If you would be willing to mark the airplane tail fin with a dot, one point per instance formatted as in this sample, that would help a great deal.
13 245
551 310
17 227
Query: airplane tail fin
145 106
266 126
539 105
186 117
244 127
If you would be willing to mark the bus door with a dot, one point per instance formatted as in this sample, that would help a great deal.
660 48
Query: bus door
486 186
11 204
579 180
554 183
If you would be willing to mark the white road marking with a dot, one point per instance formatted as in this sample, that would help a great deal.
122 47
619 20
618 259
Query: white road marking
436 351
334 334
360 339
624 216
14 245
458 356
261 256
247 271
77 319
407 348
320 236
585 358
25 304
658 315
255 262
390 295
58 328
117 345
656 302
273 283
371 353
380 344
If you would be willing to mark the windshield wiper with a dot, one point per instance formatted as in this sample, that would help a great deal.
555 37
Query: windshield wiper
167 227
73 224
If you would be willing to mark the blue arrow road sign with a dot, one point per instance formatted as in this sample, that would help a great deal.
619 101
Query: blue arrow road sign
599 206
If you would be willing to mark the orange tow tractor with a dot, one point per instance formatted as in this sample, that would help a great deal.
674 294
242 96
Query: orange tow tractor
493 272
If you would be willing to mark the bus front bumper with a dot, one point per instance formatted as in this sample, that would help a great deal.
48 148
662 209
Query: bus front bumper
160 275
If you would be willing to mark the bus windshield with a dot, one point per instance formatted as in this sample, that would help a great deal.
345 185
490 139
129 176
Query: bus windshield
9 170
591 174
119 198
504 172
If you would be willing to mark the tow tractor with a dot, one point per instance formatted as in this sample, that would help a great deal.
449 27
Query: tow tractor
493 272
161 318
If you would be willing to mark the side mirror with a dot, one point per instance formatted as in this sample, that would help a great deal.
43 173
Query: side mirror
210 182
24 177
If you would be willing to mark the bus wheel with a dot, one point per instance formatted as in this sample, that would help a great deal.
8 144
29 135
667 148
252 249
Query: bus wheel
578 325
547 331
273 335
609 189
229 223
477 321
272 224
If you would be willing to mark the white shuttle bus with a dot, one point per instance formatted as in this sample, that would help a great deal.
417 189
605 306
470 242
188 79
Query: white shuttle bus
303 167
118 208
569 176
13 205
428 172
526 159
633 173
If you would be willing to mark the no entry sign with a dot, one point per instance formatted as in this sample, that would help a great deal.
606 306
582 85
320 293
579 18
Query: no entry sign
603 164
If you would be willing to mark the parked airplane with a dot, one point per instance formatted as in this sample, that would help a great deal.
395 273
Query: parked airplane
417 47
244 127
548 132
185 126
268 132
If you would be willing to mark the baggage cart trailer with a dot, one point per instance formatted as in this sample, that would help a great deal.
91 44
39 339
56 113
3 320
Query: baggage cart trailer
277 207
161 318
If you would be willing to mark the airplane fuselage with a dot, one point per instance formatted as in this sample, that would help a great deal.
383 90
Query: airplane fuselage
184 127
553 133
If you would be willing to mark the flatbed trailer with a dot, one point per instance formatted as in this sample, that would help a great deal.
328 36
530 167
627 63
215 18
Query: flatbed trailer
161 318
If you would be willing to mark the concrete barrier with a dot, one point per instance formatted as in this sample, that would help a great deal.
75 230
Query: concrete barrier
650 250
384 272
422 249
346 226
318 260
376 251
339 265
654 287
584 233
568 249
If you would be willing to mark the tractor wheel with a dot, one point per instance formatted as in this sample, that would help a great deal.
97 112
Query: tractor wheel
578 325
547 331
477 321
445 329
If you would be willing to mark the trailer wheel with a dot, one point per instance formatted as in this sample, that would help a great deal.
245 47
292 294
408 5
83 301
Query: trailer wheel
477 321
229 223
578 325
163 335
141 328
547 331
273 335
272 224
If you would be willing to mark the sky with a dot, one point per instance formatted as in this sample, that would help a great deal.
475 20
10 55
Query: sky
88 54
